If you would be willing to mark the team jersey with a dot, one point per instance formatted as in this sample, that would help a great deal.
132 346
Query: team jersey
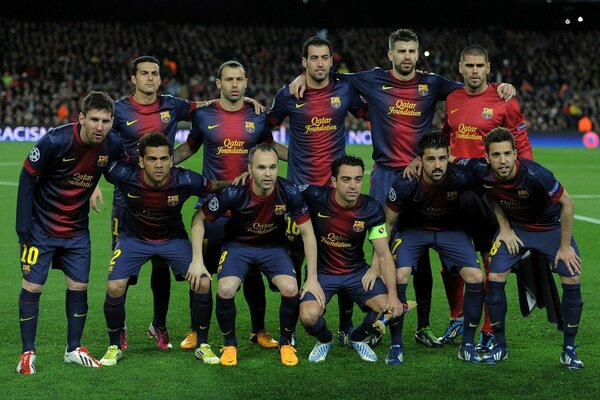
227 136
255 220
469 118
154 214
400 111
317 128
67 172
341 232
431 207
530 200
133 120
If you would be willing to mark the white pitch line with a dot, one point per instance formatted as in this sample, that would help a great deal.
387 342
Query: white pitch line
587 219
585 196
4 183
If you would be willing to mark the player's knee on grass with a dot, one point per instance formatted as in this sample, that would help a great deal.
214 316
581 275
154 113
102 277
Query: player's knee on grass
471 275
310 312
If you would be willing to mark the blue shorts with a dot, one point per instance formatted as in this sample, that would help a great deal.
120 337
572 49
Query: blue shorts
71 255
382 179
131 253
351 284
479 220
453 246
546 242
214 232
237 259
118 212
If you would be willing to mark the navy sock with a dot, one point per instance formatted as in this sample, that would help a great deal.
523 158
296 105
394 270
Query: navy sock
201 314
226 313
77 308
472 307
29 310
319 330
572 304
191 299
160 282
423 284
346 307
114 313
289 310
254 293
365 329
496 304
397 324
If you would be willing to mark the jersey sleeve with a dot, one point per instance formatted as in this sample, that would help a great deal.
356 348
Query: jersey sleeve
278 111
515 121
27 183
196 137
399 193
219 204
185 108
298 207
40 155
361 81
266 136
549 184
446 86
357 106
199 184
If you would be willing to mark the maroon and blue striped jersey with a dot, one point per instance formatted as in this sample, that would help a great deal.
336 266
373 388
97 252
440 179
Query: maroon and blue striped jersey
401 112
154 214
317 128
67 172
133 120
529 200
341 232
431 207
227 137
255 220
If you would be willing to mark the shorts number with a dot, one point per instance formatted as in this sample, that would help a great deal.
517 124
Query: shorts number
495 247
397 243
115 231
113 260
30 255
292 228
223 256
204 246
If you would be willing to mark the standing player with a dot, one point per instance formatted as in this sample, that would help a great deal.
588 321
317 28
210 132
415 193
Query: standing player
401 108
152 227
317 127
534 212
55 186
471 113
429 218
343 218
255 238
227 129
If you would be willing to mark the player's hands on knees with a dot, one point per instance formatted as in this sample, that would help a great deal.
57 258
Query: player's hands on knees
313 286
258 108
96 199
368 280
567 255
195 273
298 86
413 170
506 91
511 240
241 179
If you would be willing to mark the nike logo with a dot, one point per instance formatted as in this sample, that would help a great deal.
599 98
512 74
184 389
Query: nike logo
225 333
488 186
213 126
203 327
383 87
568 325
114 330
26 319
322 215
76 315
128 123
472 325
495 323
246 212
454 110
65 159
131 196
300 105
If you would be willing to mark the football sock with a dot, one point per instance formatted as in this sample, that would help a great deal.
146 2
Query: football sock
77 308
572 304
226 313
254 293
346 307
192 326
486 327
289 311
114 313
496 303
319 330
423 284
365 329
454 286
160 282
29 309
473 303
397 324
202 306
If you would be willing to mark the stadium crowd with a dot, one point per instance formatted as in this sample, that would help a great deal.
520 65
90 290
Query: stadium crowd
47 67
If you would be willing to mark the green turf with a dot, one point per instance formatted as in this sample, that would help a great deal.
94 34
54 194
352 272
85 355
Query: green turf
531 371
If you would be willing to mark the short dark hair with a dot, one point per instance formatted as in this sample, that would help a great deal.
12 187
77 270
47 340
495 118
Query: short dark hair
432 140
264 147
230 64
153 139
315 41
403 35
142 59
352 161
97 101
474 50
498 135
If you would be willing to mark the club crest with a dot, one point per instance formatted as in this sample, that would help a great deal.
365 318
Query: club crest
336 102
165 117
358 226
102 161
173 200
280 209
487 113
423 89
249 126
